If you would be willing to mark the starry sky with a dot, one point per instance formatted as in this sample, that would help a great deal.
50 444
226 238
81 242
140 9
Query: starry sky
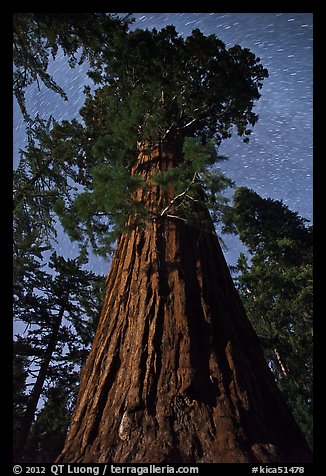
277 162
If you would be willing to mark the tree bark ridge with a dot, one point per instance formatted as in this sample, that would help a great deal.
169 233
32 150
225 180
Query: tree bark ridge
176 373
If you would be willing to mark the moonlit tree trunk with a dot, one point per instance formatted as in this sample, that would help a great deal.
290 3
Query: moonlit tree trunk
176 373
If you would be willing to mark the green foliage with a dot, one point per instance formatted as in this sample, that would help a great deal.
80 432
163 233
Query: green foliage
63 304
20 374
50 172
269 224
38 36
100 214
50 427
43 177
93 214
39 299
154 86
198 183
276 288
193 85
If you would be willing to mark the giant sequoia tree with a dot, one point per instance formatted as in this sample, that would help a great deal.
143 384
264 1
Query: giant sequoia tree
176 372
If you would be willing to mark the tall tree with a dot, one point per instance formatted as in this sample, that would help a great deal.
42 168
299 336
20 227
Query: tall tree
49 429
176 372
276 288
20 375
56 306
58 313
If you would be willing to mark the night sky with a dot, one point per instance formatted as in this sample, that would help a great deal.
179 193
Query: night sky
277 162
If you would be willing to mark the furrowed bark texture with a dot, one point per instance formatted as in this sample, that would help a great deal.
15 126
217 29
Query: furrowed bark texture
176 373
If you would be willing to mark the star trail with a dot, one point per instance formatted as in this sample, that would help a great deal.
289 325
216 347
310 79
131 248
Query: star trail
277 162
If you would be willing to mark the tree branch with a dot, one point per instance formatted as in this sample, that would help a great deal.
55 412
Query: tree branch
193 199
189 123
205 111
176 217
182 194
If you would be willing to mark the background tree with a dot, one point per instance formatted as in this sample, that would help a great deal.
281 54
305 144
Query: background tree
61 318
54 299
41 178
276 288
49 429
38 36
20 375
37 184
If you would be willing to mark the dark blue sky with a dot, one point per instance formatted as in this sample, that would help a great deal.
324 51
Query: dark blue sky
277 162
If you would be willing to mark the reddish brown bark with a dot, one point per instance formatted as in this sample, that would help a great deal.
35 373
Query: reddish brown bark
176 373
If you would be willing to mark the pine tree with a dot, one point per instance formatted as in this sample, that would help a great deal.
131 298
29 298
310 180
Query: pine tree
20 375
58 306
176 372
49 429
39 181
38 36
58 313
276 288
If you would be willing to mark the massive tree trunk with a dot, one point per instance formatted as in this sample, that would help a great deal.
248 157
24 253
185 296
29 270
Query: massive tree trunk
176 373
